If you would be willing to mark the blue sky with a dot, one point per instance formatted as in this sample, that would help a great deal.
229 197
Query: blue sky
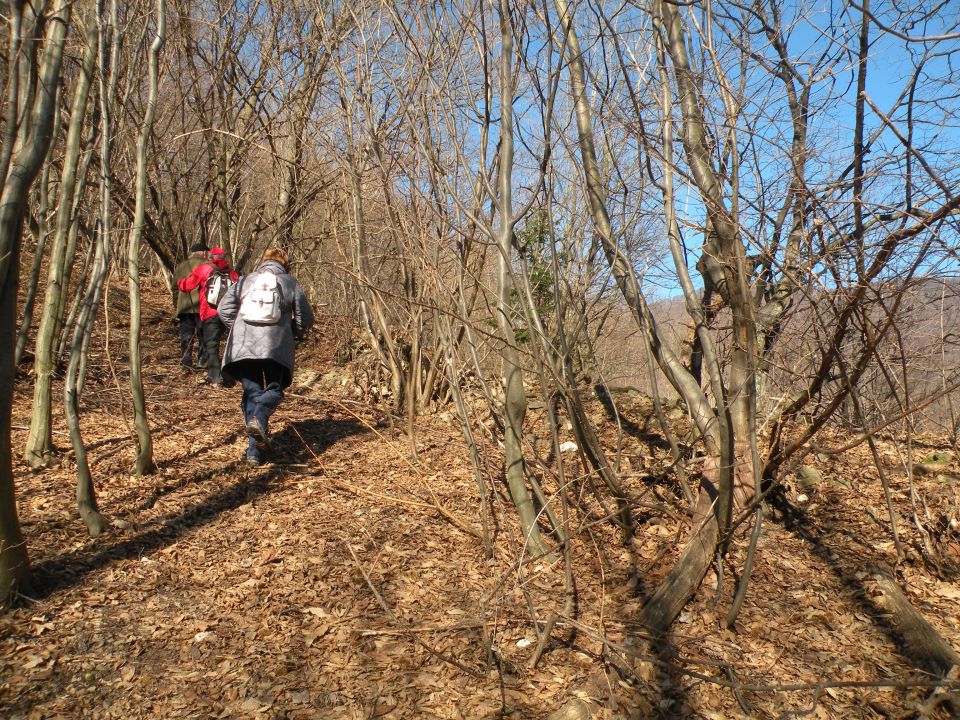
890 65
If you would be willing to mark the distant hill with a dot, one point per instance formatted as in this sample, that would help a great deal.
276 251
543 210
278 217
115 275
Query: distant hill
927 327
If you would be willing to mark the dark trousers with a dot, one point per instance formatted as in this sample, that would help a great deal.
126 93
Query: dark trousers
212 331
189 329
262 382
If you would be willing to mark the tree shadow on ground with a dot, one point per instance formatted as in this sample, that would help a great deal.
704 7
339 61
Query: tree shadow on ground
666 691
851 562
302 441
197 452
69 568
640 432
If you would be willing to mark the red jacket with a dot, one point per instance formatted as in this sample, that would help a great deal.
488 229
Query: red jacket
198 279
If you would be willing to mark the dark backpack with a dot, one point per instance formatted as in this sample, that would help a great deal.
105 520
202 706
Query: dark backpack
218 282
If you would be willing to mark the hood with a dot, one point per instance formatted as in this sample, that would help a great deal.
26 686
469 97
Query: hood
273 266
219 258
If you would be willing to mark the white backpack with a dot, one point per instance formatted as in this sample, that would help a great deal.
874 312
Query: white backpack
216 287
260 303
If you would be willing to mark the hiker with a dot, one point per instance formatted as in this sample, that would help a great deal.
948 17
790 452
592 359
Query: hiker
188 308
213 279
266 312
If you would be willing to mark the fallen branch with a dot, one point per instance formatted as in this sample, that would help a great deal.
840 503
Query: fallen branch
920 638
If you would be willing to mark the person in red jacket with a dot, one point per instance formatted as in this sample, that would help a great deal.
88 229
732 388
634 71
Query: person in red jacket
212 279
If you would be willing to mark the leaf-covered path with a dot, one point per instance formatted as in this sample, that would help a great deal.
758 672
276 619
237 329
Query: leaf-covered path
225 590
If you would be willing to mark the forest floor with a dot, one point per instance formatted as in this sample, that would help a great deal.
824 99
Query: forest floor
328 584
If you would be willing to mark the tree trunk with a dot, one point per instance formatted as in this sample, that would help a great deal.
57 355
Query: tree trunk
514 395
14 564
684 579
107 41
39 450
144 462
86 496
41 244
70 320
21 172
108 77
70 257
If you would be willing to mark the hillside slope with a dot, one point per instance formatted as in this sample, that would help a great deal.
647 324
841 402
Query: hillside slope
327 584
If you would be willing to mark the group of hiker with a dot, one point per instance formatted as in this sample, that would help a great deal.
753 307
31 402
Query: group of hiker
263 314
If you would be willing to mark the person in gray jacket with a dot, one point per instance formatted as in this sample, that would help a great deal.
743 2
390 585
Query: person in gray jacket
260 352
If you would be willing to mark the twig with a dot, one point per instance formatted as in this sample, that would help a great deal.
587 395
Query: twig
942 696
544 636
871 433
406 631
744 705
353 488
27 427
456 627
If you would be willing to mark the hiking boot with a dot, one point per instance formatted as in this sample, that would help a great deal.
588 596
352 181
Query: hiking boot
253 460
255 430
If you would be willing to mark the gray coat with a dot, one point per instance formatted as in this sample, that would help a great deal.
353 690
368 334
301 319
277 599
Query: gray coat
265 342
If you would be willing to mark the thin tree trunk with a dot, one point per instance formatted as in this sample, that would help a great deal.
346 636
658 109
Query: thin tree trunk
33 282
371 305
144 462
15 70
78 294
224 206
466 428
39 449
21 172
42 232
86 496
108 39
514 395
71 255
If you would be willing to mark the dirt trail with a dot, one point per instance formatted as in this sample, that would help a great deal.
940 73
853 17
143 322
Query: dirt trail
323 585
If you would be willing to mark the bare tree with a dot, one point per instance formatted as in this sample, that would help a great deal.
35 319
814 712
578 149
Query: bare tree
41 234
27 135
144 462
108 41
39 449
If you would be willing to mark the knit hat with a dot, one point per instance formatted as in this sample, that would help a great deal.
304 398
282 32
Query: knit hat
219 258
198 247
